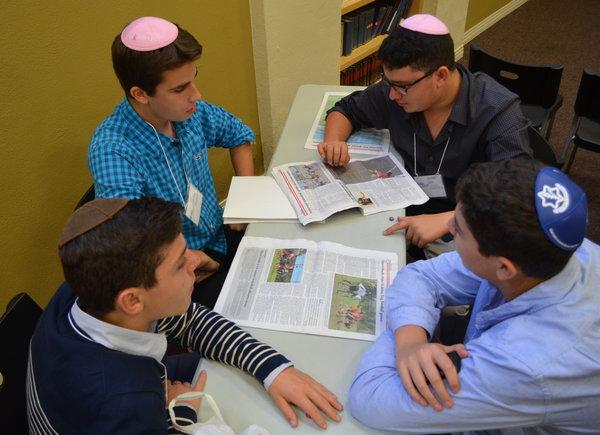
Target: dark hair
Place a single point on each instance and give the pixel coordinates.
(145, 68)
(418, 50)
(122, 252)
(497, 202)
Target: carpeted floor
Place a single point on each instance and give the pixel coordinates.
(556, 32)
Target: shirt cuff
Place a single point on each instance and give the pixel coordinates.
(269, 379)
(423, 317)
(243, 137)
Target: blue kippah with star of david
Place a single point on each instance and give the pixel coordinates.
(561, 207)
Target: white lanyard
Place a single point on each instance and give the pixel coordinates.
(169, 164)
(415, 154)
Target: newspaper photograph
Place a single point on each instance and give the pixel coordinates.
(369, 141)
(303, 286)
(376, 184)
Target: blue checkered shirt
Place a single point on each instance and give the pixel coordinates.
(126, 160)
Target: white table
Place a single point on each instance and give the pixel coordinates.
(332, 361)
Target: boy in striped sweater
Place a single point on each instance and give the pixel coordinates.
(97, 358)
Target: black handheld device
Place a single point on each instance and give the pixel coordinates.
(455, 358)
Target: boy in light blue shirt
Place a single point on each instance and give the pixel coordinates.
(531, 353)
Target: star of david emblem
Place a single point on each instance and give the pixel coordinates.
(556, 197)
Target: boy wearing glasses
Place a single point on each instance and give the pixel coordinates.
(157, 139)
(441, 119)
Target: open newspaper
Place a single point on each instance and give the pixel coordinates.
(369, 141)
(303, 286)
(316, 190)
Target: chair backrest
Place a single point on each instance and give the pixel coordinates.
(534, 84)
(89, 195)
(587, 103)
(542, 150)
(16, 328)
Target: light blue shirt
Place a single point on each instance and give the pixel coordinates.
(534, 363)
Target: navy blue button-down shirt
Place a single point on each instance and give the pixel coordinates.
(486, 123)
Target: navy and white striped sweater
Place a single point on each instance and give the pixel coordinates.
(77, 385)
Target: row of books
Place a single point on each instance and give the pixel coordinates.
(362, 73)
(370, 21)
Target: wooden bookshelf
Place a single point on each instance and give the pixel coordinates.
(370, 47)
(360, 52)
(351, 5)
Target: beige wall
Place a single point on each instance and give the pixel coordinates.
(57, 85)
(452, 13)
(479, 10)
(295, 43)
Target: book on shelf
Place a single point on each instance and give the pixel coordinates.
(379, 15)
(346, 37)
(363, 73)
(374, 19)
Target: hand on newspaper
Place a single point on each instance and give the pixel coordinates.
(292, 386)
(206, 267)
(334, 153)
(422, 229)
(417, 365)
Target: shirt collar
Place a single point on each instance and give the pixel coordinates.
(117, 338)
(132, 116)
(547, 293)
(460, 108)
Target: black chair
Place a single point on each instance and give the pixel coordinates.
(585, 131)
(89, 195)
(536, 85)
(16, 328)
(542, 150)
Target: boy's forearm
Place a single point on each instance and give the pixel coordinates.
(337, 127)
(241, 158)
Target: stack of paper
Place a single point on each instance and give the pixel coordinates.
(257, 199)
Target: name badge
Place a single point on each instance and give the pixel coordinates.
(193, 206)
(432, 185)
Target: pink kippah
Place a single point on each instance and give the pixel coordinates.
(425, 23)
(149, 33)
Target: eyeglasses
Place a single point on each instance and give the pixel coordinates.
(403, 89)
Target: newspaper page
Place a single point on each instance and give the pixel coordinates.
(376, 184)
(313, 191)
(379, 184)
(303, 286)
(369, 141)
